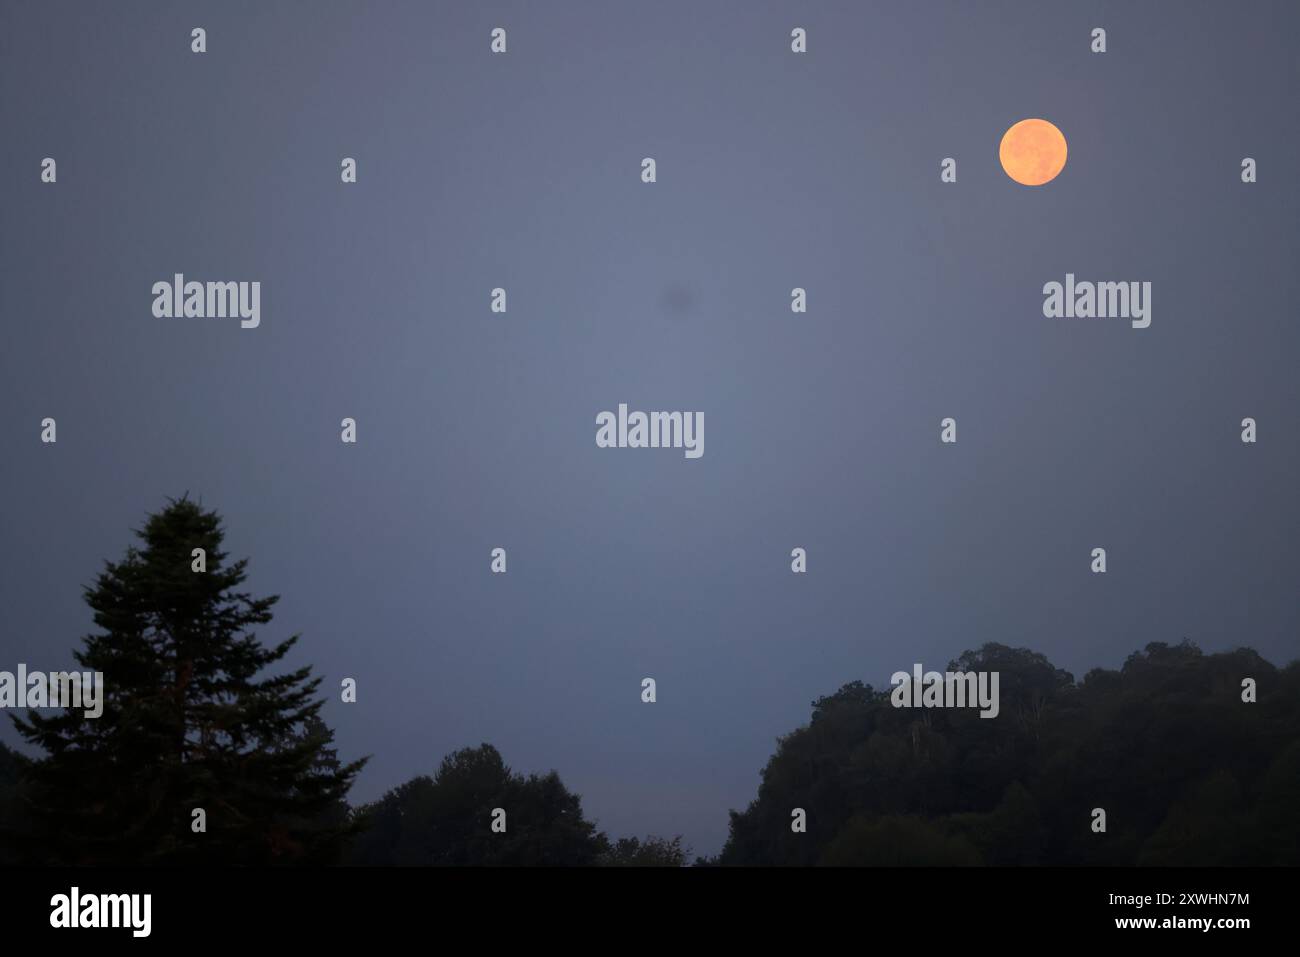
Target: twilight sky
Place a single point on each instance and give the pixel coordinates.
(477, 430)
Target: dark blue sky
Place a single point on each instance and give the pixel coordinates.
(822, 430)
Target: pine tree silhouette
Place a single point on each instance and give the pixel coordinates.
(190, 721)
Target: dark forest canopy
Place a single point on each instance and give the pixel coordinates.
(1186, 771)
(445, 820)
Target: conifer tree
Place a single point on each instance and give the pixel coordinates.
(195, 715)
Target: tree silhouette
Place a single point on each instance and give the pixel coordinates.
(446, 819)
(13, 822)
(192, 719)
(651, 852)
(1188, 773)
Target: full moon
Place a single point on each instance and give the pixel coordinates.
(1032, 152)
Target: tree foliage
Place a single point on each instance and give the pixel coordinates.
(196, 715)
(445, 819)
(1186, 771)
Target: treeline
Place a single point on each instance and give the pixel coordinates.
(1185, 771)
(445, 819)
(202, 755)
(437, 820)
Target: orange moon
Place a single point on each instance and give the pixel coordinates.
(1032, 152)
